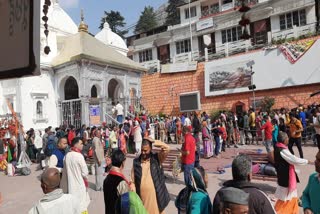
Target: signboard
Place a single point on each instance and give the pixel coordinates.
(95, 119)
(190, 101)
(16, 38)
(179, 67)
(233, 74)
(204, 24)
(229, 76)
(227, 6)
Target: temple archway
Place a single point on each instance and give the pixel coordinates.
(71, 89)
(94, 92)
(114, 90)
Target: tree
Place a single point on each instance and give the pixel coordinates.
(267, 103)
(115, 21)
(147, 20)
(173, 16)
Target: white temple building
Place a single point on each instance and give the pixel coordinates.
(80, 72)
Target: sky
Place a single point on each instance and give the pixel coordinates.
(94, 10)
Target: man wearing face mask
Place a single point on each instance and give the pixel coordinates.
(148, 177)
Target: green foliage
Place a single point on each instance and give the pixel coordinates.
(147, 20)
(161, 114)
(173, 16)
(215, 114)
(267, 103)
(115, 21)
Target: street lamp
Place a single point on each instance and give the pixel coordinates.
(190, 28)
(252, 86)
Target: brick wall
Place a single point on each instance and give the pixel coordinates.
(157, 96)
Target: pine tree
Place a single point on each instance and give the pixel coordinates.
(147, 20)
(115, 21)
(173, 12)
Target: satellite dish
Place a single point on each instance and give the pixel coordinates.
(207, 39)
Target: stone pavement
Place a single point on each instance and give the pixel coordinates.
(21, 193)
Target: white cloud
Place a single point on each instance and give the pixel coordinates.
(69, 3)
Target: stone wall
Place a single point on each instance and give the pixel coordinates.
(160, 93)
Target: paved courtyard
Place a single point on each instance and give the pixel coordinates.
(20, 193)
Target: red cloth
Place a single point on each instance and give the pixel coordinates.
(189, 145)
(224, 133)
(267, 130)
(71, 136)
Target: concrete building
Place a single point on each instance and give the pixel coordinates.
(80, 78)
(216, 33)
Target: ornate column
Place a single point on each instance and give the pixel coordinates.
(103, 109)
(59, 112)
(85, 111)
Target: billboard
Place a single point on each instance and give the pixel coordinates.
(190, 101)
(95, 119)
(271, 69)
(19, 38)
(236, 75)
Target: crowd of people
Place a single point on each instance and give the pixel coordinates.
(65, 153)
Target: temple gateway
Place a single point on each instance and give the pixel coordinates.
(81, 77)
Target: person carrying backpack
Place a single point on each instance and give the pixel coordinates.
(51, 145)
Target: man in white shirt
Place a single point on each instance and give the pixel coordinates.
(75, 175)
(54, 201)
(187, 122)
(98, 156)
(119, 110)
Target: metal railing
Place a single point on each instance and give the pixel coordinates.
(110, 120)
(294, 32)
(131, 115)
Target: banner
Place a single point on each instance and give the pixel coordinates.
(95, 115)
(294, 51)
(231, 76)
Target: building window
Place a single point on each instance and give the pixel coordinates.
(145, 55)
(231, 35)
(226, 1)
(183, 46)
(39, 110)
(297, 18)
(193, 11)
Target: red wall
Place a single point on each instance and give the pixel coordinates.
(156, 94)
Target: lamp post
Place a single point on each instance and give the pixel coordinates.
(190, 28)
(252, 86)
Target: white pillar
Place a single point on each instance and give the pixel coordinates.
(206, 54)
(227, 49)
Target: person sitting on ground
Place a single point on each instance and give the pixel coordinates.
(234, 201)
(310, 197)
(194, 198)
(259, 202)
(54, 200)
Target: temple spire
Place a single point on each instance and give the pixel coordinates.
(83, 27)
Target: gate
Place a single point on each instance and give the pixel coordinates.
(71, 113)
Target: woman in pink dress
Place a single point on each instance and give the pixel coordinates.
(207, 141)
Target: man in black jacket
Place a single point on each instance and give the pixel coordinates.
(259, 202)
(148, 177)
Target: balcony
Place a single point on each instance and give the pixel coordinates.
(294, 32)
(237, 3)
(151, 64)
(213, 9)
